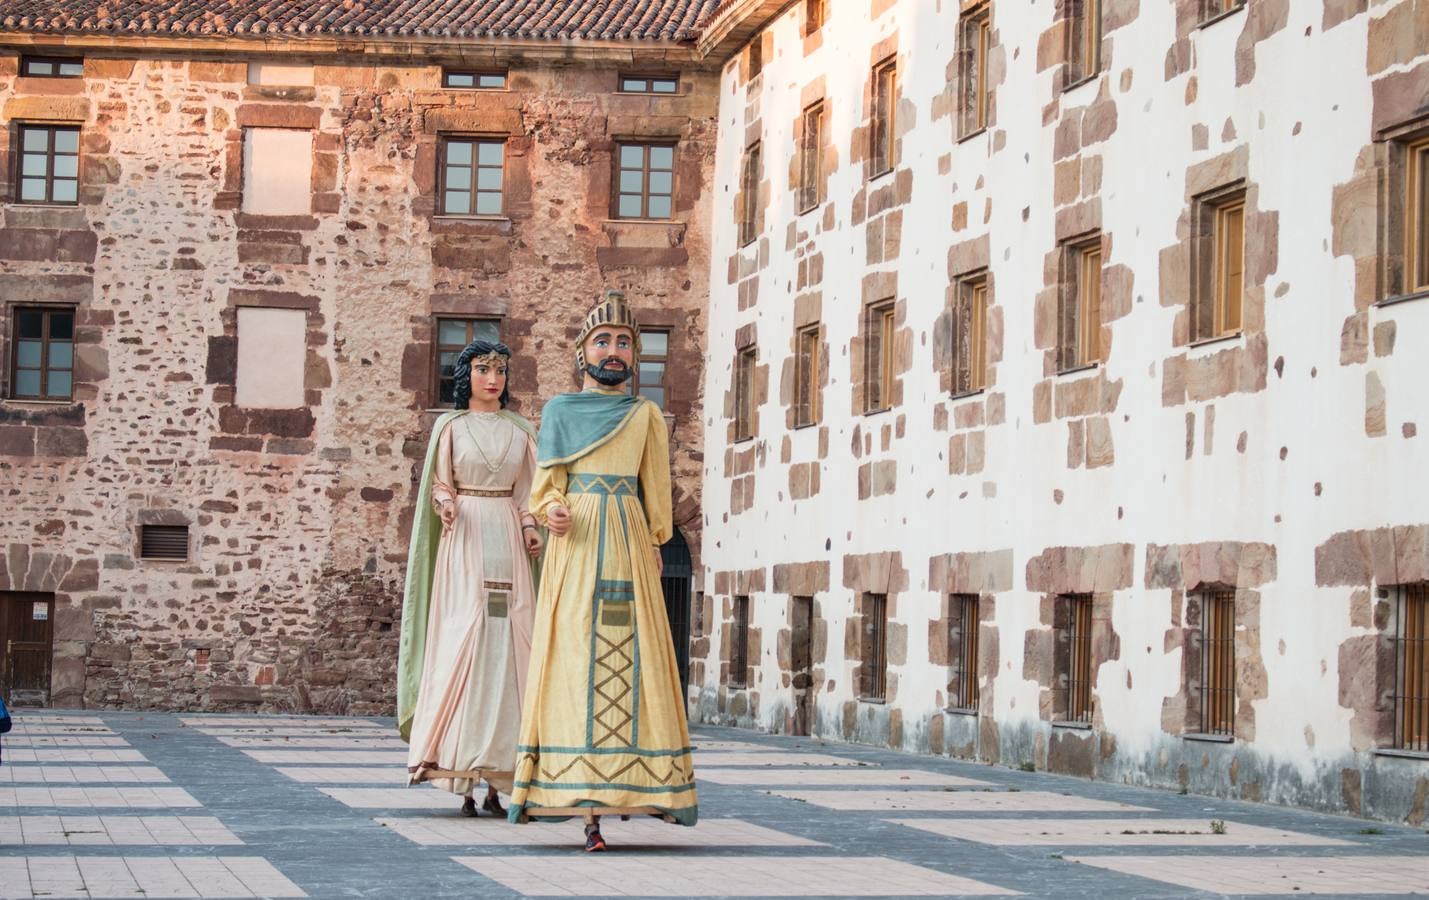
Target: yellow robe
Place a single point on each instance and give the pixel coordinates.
(603, 723)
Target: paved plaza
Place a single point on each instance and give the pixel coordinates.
(169, 805)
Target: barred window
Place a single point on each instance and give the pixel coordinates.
(1074, 634)
(1217, 662)
(1411, 668)
(739, 644)
(963, 651)
(873, 671)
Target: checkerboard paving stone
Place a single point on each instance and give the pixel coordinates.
(72, 755)
(615, 875)
(955, 801)
(82, 775)
(722, 746)
(635, 833)
(1297, 875)
(115, 830)
(340, 742)
(295, 732)
(121, 797)
(417, 797)
(336, 757)
(774, 758)
(1064, 832)
(345, 774)
(833, 777)
(27, 718)
(280, 722)
(64, 740)
(21, 728)
(146, 876)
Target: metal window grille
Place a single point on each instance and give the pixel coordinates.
(873, 681)
(163, 542)
(1218, 662)
(1079, 657)
(963, 651)
(739, 649)
(1411, 671)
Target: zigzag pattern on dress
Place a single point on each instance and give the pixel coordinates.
(677, 775)
(594, 483)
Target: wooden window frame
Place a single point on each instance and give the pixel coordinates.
(172, 531)
(964, 692)
(884, 118)
(1074, 626)
(749, 193)
(648, 80)
(739, 643)
(816, 13)
(46, 312)
(57, 61)
(476, 76)
(1084, 40)
(969, 338)
(808, 348)
(975, 40)
(50, 131)
(881, 326)
(645, 171)
(1216, 673)
(1410, 696)
(1218, 295)
(744, 363)
(1416, 216)
(811, 159)
(873, 649)
(438, 348)
(1079, 319)
(638, 383)
(755, 56)
(476, 141)
(1215, 10)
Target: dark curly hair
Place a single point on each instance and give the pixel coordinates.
(461, 373)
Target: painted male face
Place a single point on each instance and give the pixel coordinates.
(609, 354)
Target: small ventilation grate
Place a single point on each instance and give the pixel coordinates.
(164, 542)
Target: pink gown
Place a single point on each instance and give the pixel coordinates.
(468, 710)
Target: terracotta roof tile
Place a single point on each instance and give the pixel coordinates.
(634, 20)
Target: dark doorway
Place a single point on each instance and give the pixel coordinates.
(676, 579)
(26, 647)
(801, 652)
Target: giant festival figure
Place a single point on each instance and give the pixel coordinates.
(603, 728)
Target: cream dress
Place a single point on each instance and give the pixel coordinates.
(479, 623)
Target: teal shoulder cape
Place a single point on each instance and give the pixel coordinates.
(421, 565)
(572, 425)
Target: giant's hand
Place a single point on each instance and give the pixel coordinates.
(558, 520)
(447, 512)
(533, 542)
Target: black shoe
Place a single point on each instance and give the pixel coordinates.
(492, 805)
(468, 808)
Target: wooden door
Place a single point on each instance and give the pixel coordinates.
(26, 647)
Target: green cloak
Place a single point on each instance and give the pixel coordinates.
(573, 425)
(421, 566)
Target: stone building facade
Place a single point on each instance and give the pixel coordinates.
(1075, 352)
(232, 252)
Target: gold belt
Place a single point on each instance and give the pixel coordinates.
(482, 492)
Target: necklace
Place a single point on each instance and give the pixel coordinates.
(488, 421)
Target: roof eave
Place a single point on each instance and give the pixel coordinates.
(734, 23)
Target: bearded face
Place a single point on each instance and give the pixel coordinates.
(609, 354)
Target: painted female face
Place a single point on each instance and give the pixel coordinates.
(488, 379)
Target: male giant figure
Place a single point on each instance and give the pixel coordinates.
(603, 727)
